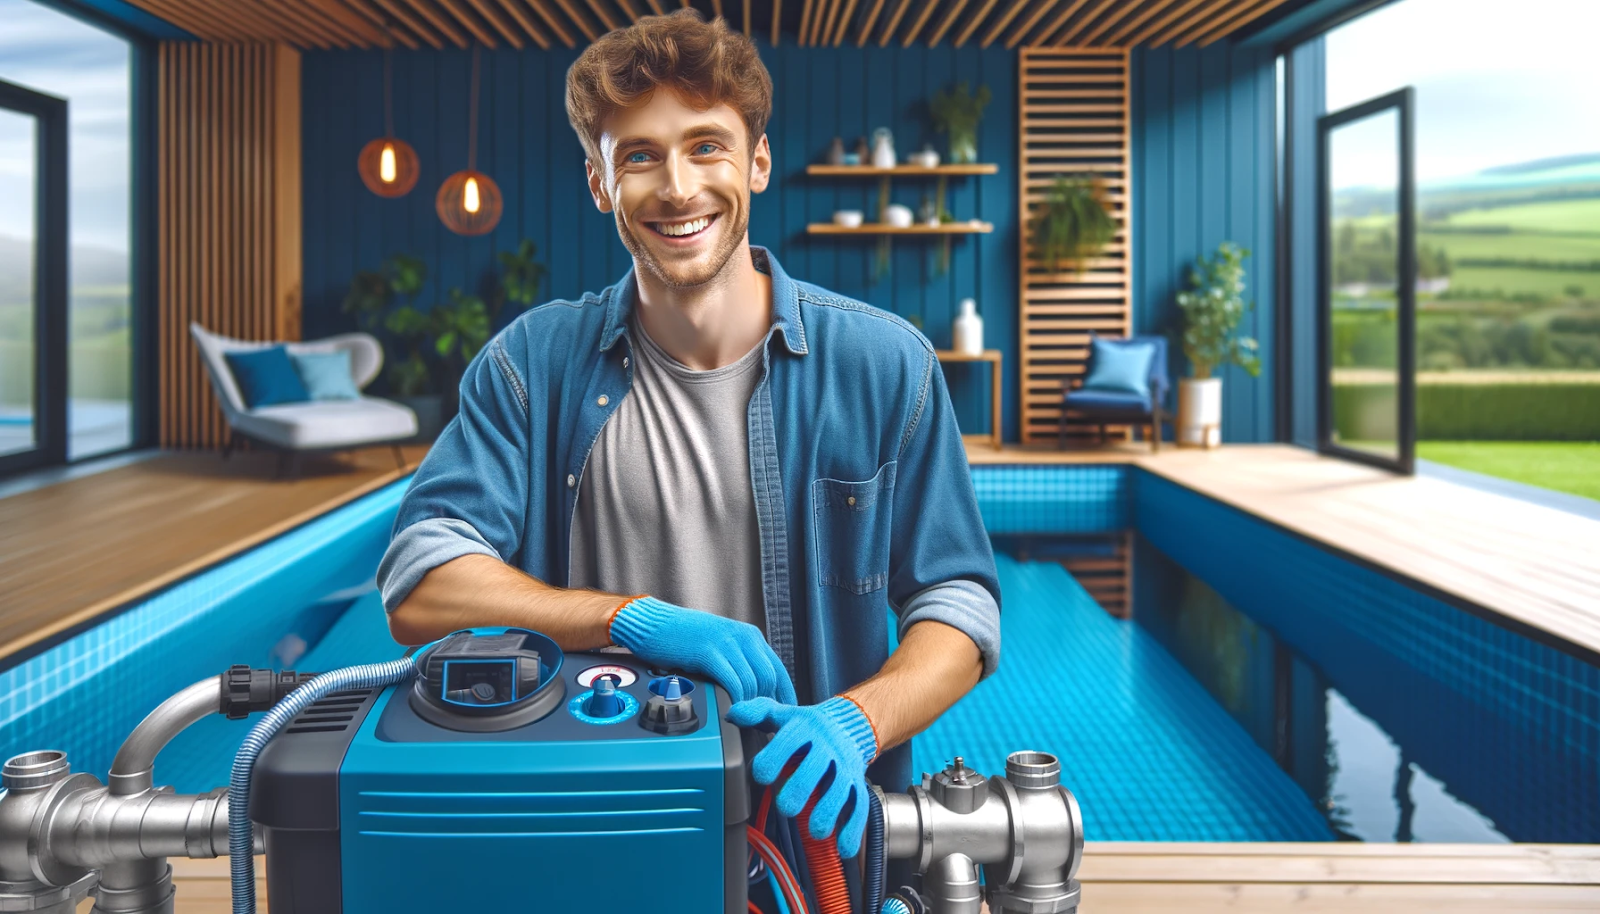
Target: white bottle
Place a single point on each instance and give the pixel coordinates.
(968, 330)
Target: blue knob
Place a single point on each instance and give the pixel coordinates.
(674, 689)
(605, 702)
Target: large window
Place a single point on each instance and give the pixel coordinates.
(90, 69)
(1508, 232)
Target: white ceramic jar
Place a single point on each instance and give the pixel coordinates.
(967, 331)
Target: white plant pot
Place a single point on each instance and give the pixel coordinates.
(1200, 412)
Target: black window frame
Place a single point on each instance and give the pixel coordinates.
(144, 226)
(1403, 101)
(50, 277)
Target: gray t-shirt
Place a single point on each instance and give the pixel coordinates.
(665, 506)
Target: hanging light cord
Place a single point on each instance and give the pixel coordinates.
(472, 129)
(388, 97)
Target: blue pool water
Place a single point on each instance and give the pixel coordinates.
(1262, 690)
(1145, 749)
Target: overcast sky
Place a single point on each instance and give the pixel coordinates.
(53, 53)
(1497, 81)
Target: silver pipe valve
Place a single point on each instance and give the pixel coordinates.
(1023, 829)
(64, 836)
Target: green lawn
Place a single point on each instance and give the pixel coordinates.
(1565, 466)
(1524, 245)
(1550, 283)
(1552, 216)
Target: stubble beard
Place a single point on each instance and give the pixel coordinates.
(695, 273)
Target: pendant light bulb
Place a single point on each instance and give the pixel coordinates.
(469, 202)
(388, 165)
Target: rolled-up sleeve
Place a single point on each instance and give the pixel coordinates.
(470, 494)
(941, 563)
(960, 604)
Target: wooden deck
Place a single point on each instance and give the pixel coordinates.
(1160, 878)
(73, 551)
(1536, 566)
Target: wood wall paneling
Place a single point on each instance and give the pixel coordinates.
(345, 24)
(1074, 121)
(230, 215)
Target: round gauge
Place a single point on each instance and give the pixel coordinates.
(624, 677)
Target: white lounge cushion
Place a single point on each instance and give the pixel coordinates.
(328, 423)
(366, 358)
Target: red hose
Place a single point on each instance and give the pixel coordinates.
(827, 871)
(783, 879)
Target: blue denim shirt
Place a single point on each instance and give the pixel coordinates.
(864, 500)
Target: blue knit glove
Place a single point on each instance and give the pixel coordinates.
(834, 735)
(733, 653)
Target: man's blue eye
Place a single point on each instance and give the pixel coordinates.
(711, 147)
(632, 158)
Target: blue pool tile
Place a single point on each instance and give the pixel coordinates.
(1148, 753)
(86, 694)
(1043, 499)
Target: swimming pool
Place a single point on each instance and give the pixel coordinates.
(1261, 689)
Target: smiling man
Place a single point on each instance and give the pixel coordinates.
(711, 464)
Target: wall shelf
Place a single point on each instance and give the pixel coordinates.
(870, 171)
(871, 228)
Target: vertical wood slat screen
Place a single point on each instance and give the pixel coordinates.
(230, 215)
(1074, 121)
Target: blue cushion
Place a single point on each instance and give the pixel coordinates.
(266, 376)
(1108, 401)
(1120, 366)
(326, 374)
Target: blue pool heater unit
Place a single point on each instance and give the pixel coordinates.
(495, 777)
(490, 773)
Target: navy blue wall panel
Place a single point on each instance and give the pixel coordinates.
(1204, 153)
(527, 146)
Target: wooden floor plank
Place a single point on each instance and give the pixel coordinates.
(1138, 877)
(1301, 868)
(73, 551)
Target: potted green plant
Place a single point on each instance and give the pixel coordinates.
(1073, 223)
(1209, 314)
(957, 112)
(383, 302)
(427, 350)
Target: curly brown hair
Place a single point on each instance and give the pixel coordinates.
(705, 62)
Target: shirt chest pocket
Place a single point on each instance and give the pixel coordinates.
(851, 523)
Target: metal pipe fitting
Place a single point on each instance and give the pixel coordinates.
(63, 834)
(131, 770)
(1023, 828)
(953, 886)
(32, 781)
(96, 828)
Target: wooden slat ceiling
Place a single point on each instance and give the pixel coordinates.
(328, 24)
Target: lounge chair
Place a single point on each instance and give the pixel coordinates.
(1116, 407)
(294, 429)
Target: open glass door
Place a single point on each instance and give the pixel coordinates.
(1367, 283)
(33, 278)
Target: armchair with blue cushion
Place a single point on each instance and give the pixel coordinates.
(1126, 384)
